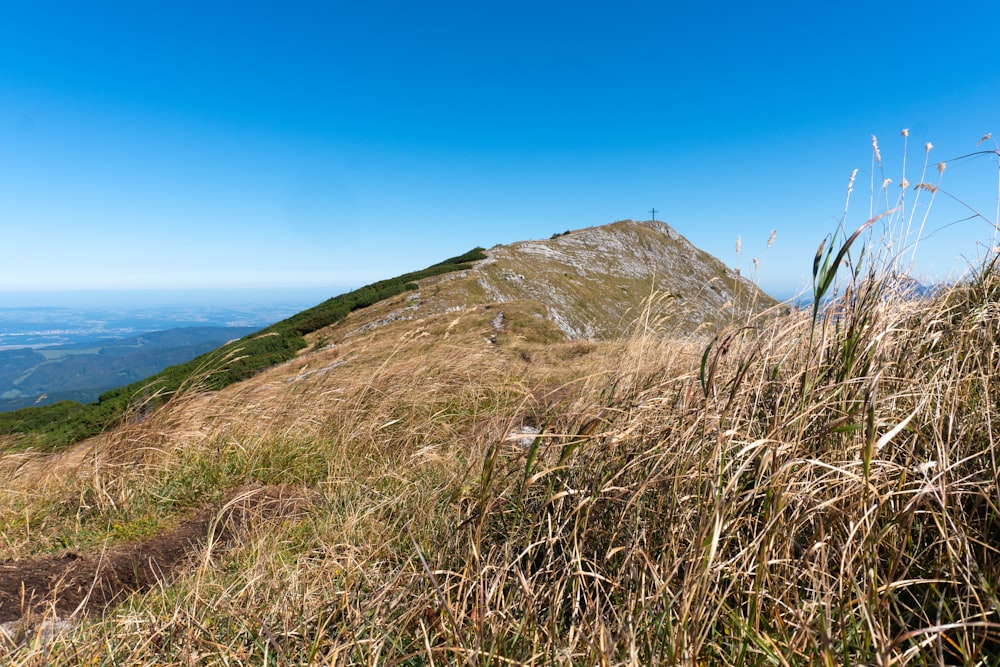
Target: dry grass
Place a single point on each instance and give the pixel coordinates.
(812, 488)
(780, 502)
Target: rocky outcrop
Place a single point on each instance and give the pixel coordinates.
(595, 282)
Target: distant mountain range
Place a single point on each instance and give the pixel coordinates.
(903, 285)
(30, 377)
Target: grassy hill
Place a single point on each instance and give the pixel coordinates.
(589, 283)
(594, 282)
(65, 422)
(428, 481)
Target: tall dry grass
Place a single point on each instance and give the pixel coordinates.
(819, 487)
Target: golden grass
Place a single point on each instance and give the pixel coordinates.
(768, 503)
(807, 488)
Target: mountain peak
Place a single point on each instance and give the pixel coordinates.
(594, 282)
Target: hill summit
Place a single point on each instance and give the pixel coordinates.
(591, 283)
(594, 281)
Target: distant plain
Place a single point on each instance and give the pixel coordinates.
(76, 345)
(39, 319)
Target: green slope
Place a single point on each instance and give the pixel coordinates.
(60, 424)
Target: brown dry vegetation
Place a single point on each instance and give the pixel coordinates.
(795, 496)
(818, 487)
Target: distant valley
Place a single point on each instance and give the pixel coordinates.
(80, 373)
(76, 346)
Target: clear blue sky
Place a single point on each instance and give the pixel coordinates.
(181, 144)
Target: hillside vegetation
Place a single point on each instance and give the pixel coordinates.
(815, 488)
(65, 422)
(448, 476)
(589, 283)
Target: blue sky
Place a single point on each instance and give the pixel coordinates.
(185, 145)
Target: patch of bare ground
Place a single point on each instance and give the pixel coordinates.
(88, 584)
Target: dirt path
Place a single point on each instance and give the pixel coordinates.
(90, 583)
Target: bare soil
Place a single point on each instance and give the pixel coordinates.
(89, 583)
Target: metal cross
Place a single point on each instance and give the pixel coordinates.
(654, 214)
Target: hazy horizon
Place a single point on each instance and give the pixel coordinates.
(166, 296)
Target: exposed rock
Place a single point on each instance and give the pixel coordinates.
(595, 282)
